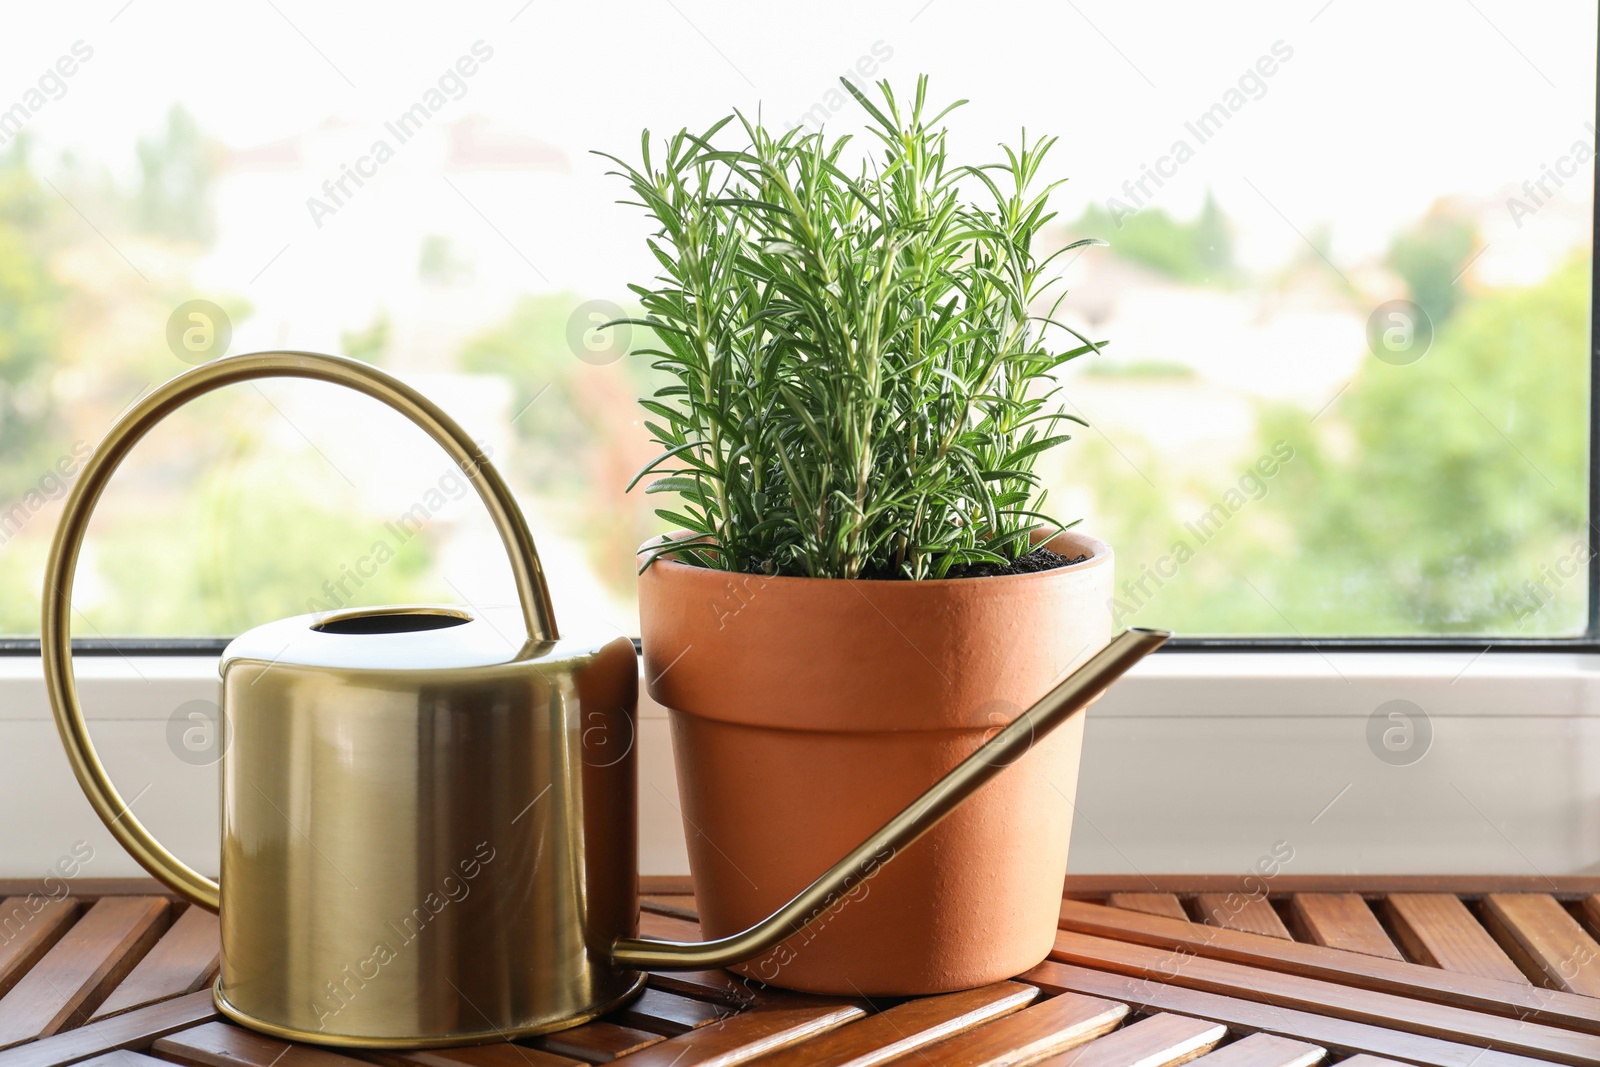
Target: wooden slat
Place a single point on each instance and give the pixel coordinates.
(1166, 904)
(125, 1058)
(1099, 886)
(1438, 930)
(597, 1042)
(668, 927)
(1340, 920)
(227, 1045)
(184, 960)
(678, 907)
(1545, 941)
(1335, 987)
(1264, 1050)
(1055, 1025)
(1159, 1041)
(1239, 911)
(745, 1036)
(667, 1014)
(72, 978)
(1514, 999)
(737, 992)
(723, 987)
(1590, 907)
(1253, 1016)
(502, 1054)
(906, 1027)
(1326, 998)
(131, 1029)
(30, 925)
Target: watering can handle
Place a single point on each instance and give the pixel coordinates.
(56, 628)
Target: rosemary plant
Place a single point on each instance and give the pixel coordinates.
(859, 384)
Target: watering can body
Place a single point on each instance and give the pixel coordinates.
(424, 840)
(428, 827)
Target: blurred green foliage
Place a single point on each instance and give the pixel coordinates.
(248, 546)
(1443, 497)
(1430, 256)
(177, 170)
(370, 345)
(577, 420)
(1197, 253)
(224, 534)
(1446, 496)
(1464, 481)
(31, 306)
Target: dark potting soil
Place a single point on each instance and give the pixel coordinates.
(1040, 559)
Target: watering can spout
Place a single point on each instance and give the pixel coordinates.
(1067, 699)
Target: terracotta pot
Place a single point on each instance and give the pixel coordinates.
(805, 712)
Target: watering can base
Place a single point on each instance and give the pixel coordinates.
(466, 1037)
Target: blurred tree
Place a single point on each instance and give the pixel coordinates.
(1431, 495)
(438, 264)
(530, 350)
(1430, 257)
(1198, 252)
(247, 544)
(369, 345)
(579, 421)
(176, 171)
(30, 318)
(1446, 496)
(1213, 238)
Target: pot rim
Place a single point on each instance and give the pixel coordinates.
(1099, 551)
(1010, 635)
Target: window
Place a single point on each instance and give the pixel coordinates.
(1348, 293)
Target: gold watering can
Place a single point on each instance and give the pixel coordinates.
(428, 839)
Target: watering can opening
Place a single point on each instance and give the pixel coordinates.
(391, 621)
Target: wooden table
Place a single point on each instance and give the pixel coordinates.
(1146, 972)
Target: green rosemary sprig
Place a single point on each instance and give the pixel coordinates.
(861, 385)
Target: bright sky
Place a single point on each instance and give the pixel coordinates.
(1381, 108)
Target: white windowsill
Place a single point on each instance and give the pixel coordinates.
(1196, 762)
(1171, 683)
